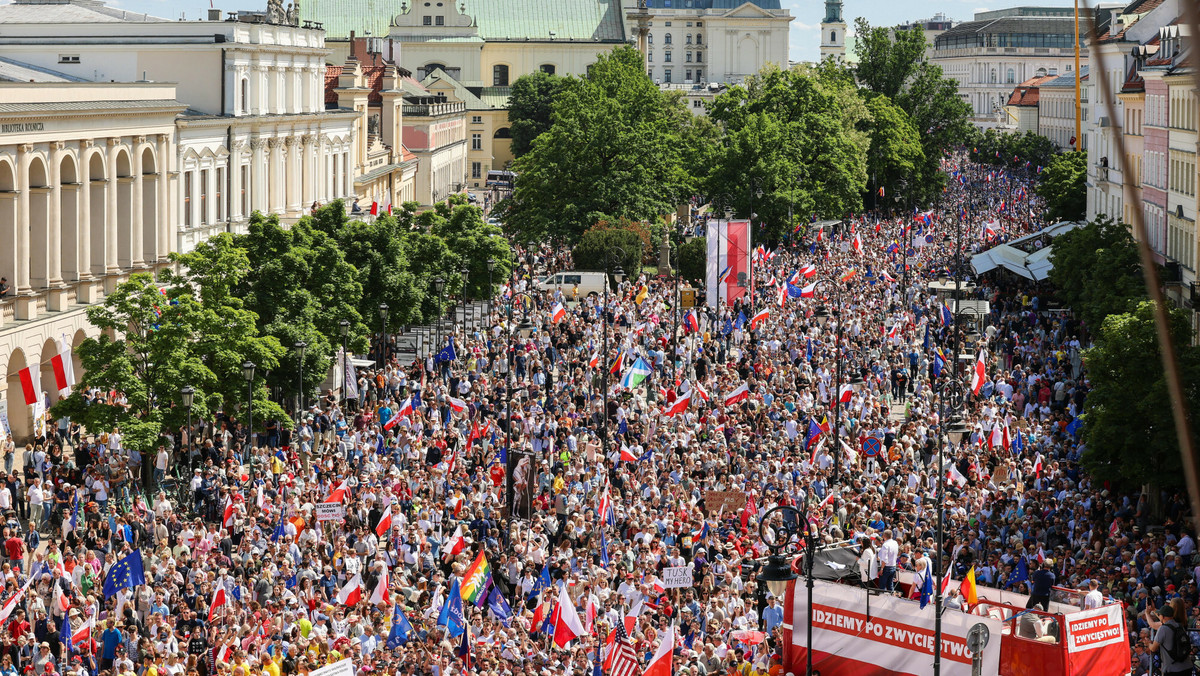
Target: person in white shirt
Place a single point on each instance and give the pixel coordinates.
(868, 564)
(889, 554)
(1093, 599)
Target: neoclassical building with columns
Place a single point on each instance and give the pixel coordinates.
(85, 195)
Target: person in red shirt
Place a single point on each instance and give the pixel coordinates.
(497, 474)
(19, 626)
(14, 546)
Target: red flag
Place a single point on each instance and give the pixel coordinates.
(351, 594)
(385, 524)
(679, 406)
(30, 384)
(660, 664)
(218, 600)
(374, 208)
(339, 492)
(60, 372)
(742, 393)
(567, 625)
(980, 373)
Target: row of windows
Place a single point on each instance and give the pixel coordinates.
(970, 40)
(1156, 110)
(1181, 241)
(687, 75)
(667, 38)
(667, 57)
(202, 198)
(699, 24)
(1183, 172)
(1183, 109)
(1155, 169)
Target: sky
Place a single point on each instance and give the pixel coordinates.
(805, 29)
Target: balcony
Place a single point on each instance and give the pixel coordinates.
(434, 109)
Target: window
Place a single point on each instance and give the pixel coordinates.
(242, 183)
(476, 141)
(650, 38)
(667, 57)
(687, 76)
(699, 24)
(689, 59)
(476, 119)
(833, 37)
(572, 279)
(699, 38)
(697, 103)
(667, 39)
(666, 3)
(426, 21)
(650, 56)
(220, 192)
(688, 38)
(699, 57)
(246, 95)
(667, 75)
(68, 58)
(500, 75)
(187, 199)
(440, 21)
(476, 170)
(993, 76)
(699, 75)
(668, 26)
(547, 68)
(203, 196)
(1010, 77)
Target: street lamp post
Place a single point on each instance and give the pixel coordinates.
(300, 346)
(611, 254)
(822, 315)
(344, 327)
(779, 528)
(954, 434)
(248, 374)
(439, 285)
(188, 394)
(383, 317)
(491, 266)
(466, 274)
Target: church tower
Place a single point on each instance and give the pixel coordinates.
(833, 32)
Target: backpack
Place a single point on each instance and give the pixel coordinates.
(1181, 643)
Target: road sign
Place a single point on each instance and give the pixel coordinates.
(872, 447)
(977, 638)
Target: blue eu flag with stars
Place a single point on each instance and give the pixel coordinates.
(126, 573)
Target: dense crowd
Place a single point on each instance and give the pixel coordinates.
(243, 577)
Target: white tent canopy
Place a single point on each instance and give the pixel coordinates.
(1027, 256)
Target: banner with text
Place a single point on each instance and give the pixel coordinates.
(1096, 641)
(890, 636)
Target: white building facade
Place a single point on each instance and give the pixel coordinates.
(256, 134)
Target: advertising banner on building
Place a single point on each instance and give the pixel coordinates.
(728, 272)
(859, 635)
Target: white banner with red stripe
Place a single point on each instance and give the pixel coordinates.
(857, 635)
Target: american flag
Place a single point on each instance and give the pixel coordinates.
(622, 660)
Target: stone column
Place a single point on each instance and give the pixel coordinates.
(163, 185)
(54, 233)
(137, 255)
(293, 161)
(21, 282)
(110, 232)
(257, 180)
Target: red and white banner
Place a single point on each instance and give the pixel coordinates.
(887, 636)
(1096, 641)
(729, 267)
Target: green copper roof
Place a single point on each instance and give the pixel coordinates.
(537, 19)
(342, 16)
(578, 20)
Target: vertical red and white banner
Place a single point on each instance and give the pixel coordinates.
(1096, 641)
(728, 274)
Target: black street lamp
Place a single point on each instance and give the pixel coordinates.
(466, 275)
(612, 265)
(491, 266)
(383, 317)
(188, 394)
(439, 284)
(248, 374)
(344, 328)
(779, 528)
(300, 346)
(954, 434)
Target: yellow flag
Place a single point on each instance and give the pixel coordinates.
(641, 295)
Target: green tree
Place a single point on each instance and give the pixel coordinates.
(1096, 270)
(225, 334)
(896, 153)
(593, 249)
(893, 63)
(531, 107)
(474, 243)
(1127, 425)
(614, 147)
(693, 257)
(795, 137)
(1064, 187)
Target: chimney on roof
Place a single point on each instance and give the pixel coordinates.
(214, 15)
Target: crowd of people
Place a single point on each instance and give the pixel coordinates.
(386, 529)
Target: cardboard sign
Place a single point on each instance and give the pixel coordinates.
(732, 501)
(677, 577)
(340, 668)
(331, 511)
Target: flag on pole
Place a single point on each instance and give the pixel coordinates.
(660, 664)
(567, 625)
(401, 629)
(475, 578)
(218, 600)
(758, 318)
(558, 314)
(451, 615)
(742, 393)
(969, 592)
(637, 372)
(679, 406)
(351, 593)
(980, 373)
(31, 384)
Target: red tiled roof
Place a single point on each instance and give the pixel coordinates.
(332, 73)
(1027, 93)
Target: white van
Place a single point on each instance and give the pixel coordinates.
(588, 282)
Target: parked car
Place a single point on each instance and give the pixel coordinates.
(589, 282)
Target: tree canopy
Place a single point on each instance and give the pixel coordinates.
(531, 107)
(1096, 270)
(614, 147)
(1128, 429)
(1064, 187)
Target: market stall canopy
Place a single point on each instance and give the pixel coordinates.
(1027, 256)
